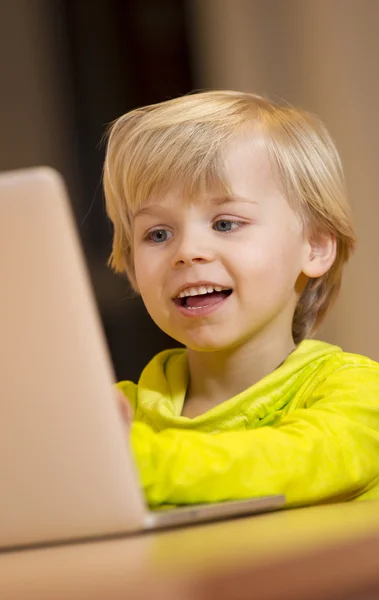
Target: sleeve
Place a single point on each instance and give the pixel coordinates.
(327, 450)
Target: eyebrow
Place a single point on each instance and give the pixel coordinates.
(217, 200)
(148, 210)
(232, 199)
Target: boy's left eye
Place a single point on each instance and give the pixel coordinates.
(225, 225)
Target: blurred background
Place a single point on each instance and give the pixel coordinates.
(69, 67)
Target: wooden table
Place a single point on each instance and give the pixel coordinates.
(324, 553)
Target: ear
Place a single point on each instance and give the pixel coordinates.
(320, 254)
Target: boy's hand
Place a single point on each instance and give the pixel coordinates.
(125, 407)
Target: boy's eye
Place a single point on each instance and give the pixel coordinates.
(159, 235)
(225, 225)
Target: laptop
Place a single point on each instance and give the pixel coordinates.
(67, 471)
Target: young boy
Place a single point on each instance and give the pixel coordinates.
(231, 221)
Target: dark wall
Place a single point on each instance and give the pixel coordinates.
(119, 54)
(67, 69)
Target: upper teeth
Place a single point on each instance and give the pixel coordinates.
(202, 289)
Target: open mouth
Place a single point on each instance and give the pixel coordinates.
(201, 299)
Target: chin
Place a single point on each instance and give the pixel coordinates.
(207, 345)
(206, 339)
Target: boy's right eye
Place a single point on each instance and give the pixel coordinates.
(158, 235)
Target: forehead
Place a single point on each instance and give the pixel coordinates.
(247, 165)
(169, 202)
(246, 174)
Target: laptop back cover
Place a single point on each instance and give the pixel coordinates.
(66, 471)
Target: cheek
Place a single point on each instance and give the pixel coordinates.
(145, 267)
(149, 279)
(276, 259)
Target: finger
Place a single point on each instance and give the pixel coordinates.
(125, 406)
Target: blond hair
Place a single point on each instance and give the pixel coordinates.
(182, 141)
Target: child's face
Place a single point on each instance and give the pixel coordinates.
(251, 247)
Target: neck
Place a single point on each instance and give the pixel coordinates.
(218, 376)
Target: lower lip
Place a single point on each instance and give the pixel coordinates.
(202, 311)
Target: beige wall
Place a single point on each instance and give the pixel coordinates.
(35, 121)
(323, 56)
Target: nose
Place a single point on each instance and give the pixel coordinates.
(192, 249)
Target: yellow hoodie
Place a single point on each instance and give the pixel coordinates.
(309, 430)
